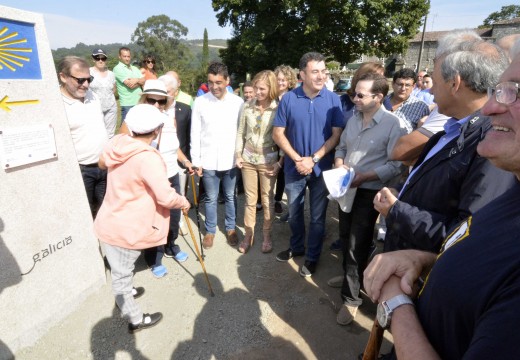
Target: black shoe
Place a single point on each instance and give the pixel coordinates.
(148, 321)
(288, 254)
(278, 209)
(138, 292)
(284, 218)
(336, 245)
(308, 268)
(168, 252)
(259, 207)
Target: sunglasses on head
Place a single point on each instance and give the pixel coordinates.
(100, 58)
(151, 101)
(82, 80)
(150, 61)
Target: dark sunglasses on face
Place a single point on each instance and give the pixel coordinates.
(150, 61)
(151, 101)
(361, 96)
(82, 80)
(100, 58)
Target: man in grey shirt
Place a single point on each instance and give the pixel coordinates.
(365, 145)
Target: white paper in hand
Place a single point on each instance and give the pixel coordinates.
(338, 183)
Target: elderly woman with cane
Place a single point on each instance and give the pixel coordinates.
(135, 212)
(155, 93)
(257, 156)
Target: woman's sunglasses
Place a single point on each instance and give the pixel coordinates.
(100, 58)
(151, 101)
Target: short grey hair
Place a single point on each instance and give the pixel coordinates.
(452, 41)
(478, 63)
(169, 81)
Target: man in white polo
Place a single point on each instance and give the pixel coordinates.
(87, 126)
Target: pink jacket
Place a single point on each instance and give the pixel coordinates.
(135, 212)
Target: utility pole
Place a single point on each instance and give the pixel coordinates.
(422, 44)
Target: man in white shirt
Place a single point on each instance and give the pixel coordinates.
(214, 123)
(87, 127)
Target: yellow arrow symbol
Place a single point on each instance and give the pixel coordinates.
(4, 104)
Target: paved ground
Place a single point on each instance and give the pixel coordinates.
(262, 309)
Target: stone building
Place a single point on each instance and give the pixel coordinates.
(498, 30)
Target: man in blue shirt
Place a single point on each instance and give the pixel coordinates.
(307, 127)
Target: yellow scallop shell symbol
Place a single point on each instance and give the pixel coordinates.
(8, 54)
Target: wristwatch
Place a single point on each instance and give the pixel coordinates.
(386, 308)
(315, 158)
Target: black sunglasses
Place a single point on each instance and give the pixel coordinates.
(151, 101)
(102, 58)
(150, 61)
(82, 80)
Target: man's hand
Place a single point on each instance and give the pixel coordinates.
(304, 167)
(239, 162)
(384, 200)
(405, 264)
(199, 172)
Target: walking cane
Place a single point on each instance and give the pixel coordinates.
(197, 211)
(186, 218)
(374, 342)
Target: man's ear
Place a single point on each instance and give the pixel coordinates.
(456, 83)
(63, 78)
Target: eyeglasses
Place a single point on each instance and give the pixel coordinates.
(100, 58)
(505, 93)
(361, 96)
(405, 85)
(151, 101)
(82, 80)
(150, 61)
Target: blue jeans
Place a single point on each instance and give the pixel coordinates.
(124, 111)
(295, 187)
(211, 180)
(95, 181)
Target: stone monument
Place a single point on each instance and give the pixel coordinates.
(49, 257)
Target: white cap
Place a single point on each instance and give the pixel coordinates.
(155, 87)
(143, 119)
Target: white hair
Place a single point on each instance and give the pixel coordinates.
(515, 49)
(170, 82)
(452, 41)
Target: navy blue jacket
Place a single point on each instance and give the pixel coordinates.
(445, 190)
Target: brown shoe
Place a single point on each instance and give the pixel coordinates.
(245, 244)
(232, 237)
(207, 242)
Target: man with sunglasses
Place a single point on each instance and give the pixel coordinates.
(365, 145)
(449, 181)
(87, 127)
(128, 81)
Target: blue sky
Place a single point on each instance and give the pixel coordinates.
(105, 21)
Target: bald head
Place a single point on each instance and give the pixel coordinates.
(174, 75)
(507, 42)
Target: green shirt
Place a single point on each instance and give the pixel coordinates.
(184, 98)
(127, 96)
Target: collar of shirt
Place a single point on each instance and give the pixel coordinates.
(300, 93)
(452, 126)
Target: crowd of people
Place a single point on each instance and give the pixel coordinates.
(436, 174)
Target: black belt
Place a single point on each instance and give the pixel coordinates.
(89, 165)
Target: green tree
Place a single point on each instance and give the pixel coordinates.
(205, 50)
(506, 13)
(272, 32)
(161, 36)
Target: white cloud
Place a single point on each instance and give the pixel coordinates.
(65, 31)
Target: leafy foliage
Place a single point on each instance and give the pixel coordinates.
(506, 13)
(271, 32)
(161, 36)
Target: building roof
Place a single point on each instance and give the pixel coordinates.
(436, 35)
(507, 22)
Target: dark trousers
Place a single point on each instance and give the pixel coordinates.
(153, 256)
(280, 186)
(357, 230)
(95, 181)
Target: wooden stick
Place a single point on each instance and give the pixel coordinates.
(374, 342)
(186, 218)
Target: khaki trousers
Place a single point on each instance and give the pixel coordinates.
(250, 175)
